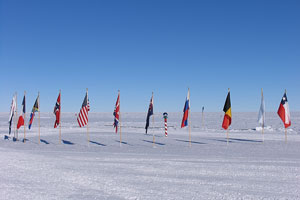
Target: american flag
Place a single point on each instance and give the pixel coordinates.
(83, 114)
(117, 113)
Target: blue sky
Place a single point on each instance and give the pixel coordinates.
(144, 46)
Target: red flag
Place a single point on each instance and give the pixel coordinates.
(284, 111)
(57, 111)
(21, 118)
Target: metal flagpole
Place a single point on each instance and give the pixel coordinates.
(87, 125)
(189, 121)
(120, 118)
(16, 118)
(39, 117)
(153, 144)
(24, 118)
(60, 117)
(263, 116)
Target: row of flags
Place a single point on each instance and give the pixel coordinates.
(82, 118)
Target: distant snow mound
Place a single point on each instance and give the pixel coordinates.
(266, 128)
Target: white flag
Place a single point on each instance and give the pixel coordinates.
(261, 113)
(12, 111)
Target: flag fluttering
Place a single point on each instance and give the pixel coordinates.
(12, 112)
(35, 108)
(83, 118)
(117, 113)
(261, 113)
(57, 111)
(22, 116)
(150, 112)
(227, 109)
(284, 111)
(186, 111)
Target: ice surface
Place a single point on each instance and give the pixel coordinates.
(246, 168)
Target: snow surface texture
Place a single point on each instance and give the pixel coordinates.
(246, 168)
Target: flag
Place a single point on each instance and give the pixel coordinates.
(57, 111)
(22, 116)
(35, 108)
(202, 108)
(261, 113)
(150, 112)
(12, 112)
(117, 113)
(227, 110)
(186, 111)
(83, 118)
(284, 111)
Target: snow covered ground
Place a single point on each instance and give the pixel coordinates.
(246, 168)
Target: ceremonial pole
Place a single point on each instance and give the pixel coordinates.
(16, 118)
(153, 144)
(87, 125)
(189, 121)
(39, 118)
(263, 116)
(60, 117)
(120, 118)
(24, 119)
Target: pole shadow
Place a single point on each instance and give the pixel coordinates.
(246, 140)
(158, 143)
(44, 141)
(123, 142)
(193, 142)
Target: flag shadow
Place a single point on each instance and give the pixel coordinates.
(193, 142)
(44, 141)
(222, 140)
(245, 140)
(67, 142)
(123, 142)
(97, 143)
(158, 143)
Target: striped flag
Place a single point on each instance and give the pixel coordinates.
(262, 113)
(227, 110)
(117, 113)
(35, 108)
(57, 111)
(21, 118)
(186, 111)
(284, 111)
(83, 117)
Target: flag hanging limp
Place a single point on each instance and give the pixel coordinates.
(261, 113)
(12, 112)
(284, 111)
(150, 112)
(83, 117)
(186, 111)
(117, 113)
(35, 108)
(22, 116)
(227, 110)
(57, 111)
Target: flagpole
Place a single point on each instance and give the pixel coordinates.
(202, 118)
(153, 144)
(285, 133)
(263, 116)
(189, 114)
(120, 118)
(24, 118)
(16, 130)
(227, 132)
(59, 117)
(87, 125)
(39, 118)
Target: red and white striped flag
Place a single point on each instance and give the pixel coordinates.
(83, 116)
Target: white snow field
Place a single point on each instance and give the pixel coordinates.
(246, 168)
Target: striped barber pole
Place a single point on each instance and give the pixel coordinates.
(83, 114)
(166, 123)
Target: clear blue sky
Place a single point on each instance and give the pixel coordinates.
(144, 46)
